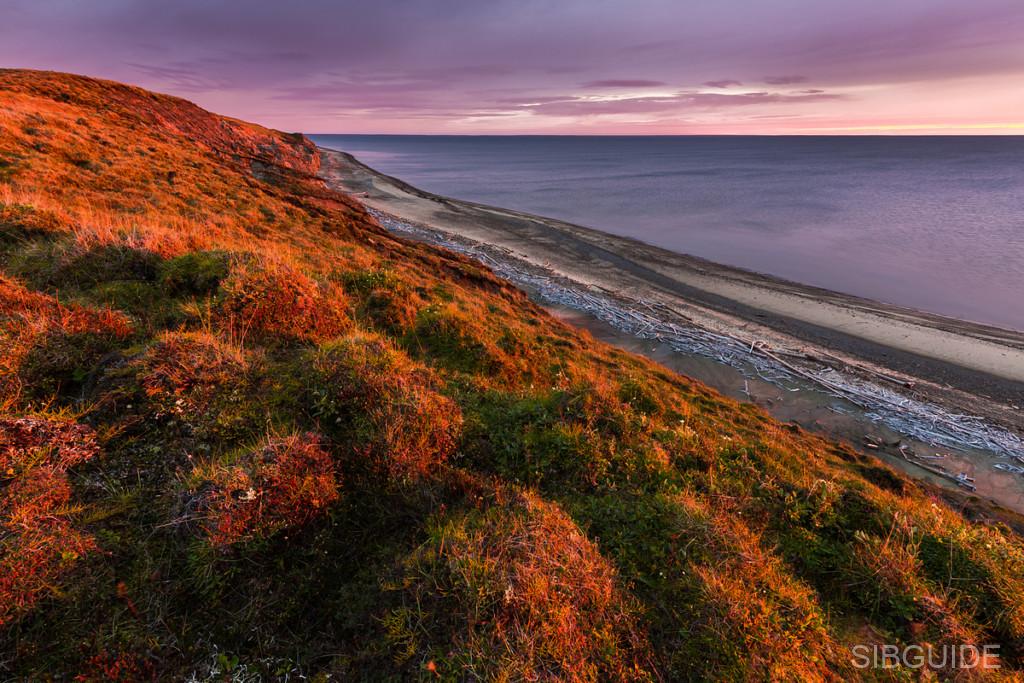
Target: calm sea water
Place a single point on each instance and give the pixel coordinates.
(934, 223)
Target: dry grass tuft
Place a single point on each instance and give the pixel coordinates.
(181, 370)
(38, 544)
(386, 404)
(539, 600)
(285, 483)
(277, 301)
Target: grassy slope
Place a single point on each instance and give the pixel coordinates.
(244, 429)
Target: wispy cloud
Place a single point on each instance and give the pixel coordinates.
(784, 80)
(724, 83)
(183, 76)
(624, 83)
(678, 102)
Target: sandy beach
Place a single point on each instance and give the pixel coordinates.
(963, 368)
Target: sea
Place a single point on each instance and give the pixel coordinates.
(931, 223)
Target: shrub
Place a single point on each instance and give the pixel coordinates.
(47, 344)
(280, 302)
(533, 598)
(454, 339)
(37, 542)
(386, 405)
(390, 311)
(285, 483)
(120, 667)
(182, 371)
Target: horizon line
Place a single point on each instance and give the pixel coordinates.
(900, 134)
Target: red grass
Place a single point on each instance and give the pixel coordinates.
(37, 544)
(541, 601)
(284, 484)
(116, 668)
(27, 318)
(183, 369)
(279, 301)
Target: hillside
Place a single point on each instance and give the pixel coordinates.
(246, 432)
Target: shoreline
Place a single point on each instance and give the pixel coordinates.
(901, 360)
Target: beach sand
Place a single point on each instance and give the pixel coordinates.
(962, 366)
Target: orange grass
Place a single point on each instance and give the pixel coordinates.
(546, 605)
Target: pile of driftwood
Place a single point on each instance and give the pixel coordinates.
(882, 404)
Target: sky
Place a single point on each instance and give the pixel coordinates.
(552, 67)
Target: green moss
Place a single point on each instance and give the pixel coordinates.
(64, 365)
(447, 339)
(195, 273)
(365, 281)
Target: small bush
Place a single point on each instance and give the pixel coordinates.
(121, 667)
(390, 311)
(183, 370)
(453, 339)
(533, 599)
(386, 405)
(38, 544)
(285, 483)
(280, 302)
(50, 347)
(61, 364)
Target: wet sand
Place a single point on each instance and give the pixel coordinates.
(962, 366)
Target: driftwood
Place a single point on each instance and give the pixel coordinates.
(918, 419)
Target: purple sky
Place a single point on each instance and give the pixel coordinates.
(566, 66)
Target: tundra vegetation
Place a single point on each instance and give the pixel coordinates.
(246, 432)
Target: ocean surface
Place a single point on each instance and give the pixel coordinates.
(933, 223)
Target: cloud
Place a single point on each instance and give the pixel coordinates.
(784, 80)
(681, 101)
(183, 76)
(725, 83)
(384, 65)
(532, 101)
(624, 83)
